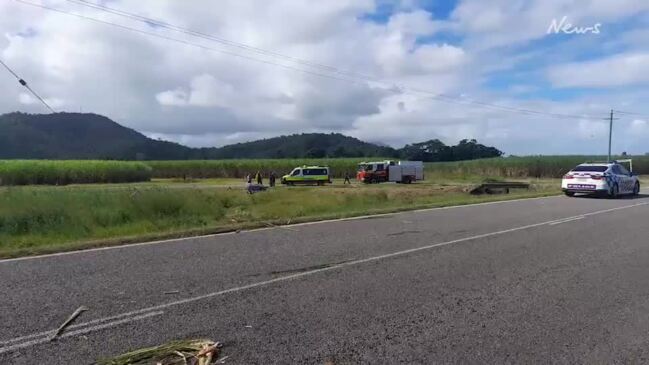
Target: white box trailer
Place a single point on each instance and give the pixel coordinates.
(406, 171)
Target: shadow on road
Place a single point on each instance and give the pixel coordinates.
(621, 197)
(632, 197)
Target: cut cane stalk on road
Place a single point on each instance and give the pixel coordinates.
(67, 322)
(201, 352)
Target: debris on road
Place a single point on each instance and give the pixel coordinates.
(402, 233)
(308, 268)
(498, 187)
(197, 352)
(172, 292)
(67, 322)
(269, 224)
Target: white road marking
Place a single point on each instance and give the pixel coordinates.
(48, 334)
(172, 240)
(45, 339)
(567, 220)
(141, 312)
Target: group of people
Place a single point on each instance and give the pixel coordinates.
(260, 180)
(272, 177)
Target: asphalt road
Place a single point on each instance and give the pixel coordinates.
(550, 280)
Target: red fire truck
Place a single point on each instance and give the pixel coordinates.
(396, 171)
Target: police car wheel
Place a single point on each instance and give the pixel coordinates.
(636, 188)
(569, 193)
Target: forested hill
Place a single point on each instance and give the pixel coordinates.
(79, 136)
(312, 145)
(92, 136)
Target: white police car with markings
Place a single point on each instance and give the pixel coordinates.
(610, 179)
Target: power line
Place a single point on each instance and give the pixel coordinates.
(339, 74)
(632, 113)
(24, 83)
(436, 96)
(163, 24)
(152, 34)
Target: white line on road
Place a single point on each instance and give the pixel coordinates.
(568, 220)
(48, 334)
(45, 339)
(159, 307)
(179, 239)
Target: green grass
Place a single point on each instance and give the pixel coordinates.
(50, 219)
(24, 172)
(519, 167)
(504, 167)
(35, 172)
(240, 168)
(194, 197)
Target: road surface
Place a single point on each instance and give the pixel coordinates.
(560, 280)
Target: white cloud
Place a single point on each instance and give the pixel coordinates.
(205, 91)
(177, 97)
(640, 126)
(203, 98)
(415, 23)
(498, 23)
(28, 99)
(592, 129)
(209, 91)
(618, 70)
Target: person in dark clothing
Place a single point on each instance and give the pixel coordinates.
(347, 178)
(259, 178)
(271, 179)
(249, 179)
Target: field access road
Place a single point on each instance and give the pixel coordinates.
(543, 280)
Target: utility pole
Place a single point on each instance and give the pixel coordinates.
(610, 136)
(610, 120)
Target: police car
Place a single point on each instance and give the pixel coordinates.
(609, 179)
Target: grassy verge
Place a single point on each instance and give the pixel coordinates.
(50, 219)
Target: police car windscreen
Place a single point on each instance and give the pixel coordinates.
(590, 168)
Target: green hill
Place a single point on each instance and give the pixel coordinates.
(308, 145)
(78, 136)
(91, 136)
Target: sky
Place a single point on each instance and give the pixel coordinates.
(384, 71)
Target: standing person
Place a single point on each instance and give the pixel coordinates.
(347, 179)
(248, 179)
(259, 178)
(271, 179)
